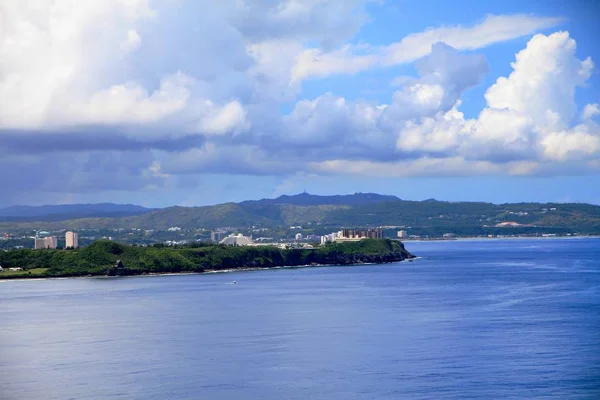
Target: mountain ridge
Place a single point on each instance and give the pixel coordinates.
(357, 210)
(307, 199)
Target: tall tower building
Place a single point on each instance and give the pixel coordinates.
(50, 242)
(72, 239)
(39, 243)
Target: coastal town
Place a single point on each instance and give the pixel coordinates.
(292, 237)
(298, 221)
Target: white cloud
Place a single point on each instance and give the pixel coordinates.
(543, 81)
(441, 133)
(132, 41)
(221, 120)
(272, 72)
(590, 111)
(500, 134)
(576, 144)
(183, 87)
(349, 60)
(425, 166)
(444, 75)
(325, 21)
(54, 51)
(493, 29)
(129, 103)
(529, 113)
(317, 63)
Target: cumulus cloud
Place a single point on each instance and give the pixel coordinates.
(444, 74)
(529, 114)
(542, 84)
(440, 134)
(151, 91)
(590, 111)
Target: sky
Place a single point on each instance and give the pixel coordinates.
(194, 102)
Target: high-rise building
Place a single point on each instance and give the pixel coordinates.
(50, 242)
(38, 243)
(402, 234)
(216, 236)
(72, 239)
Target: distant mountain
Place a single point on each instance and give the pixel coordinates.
(306, 199)
(320, 212)
(70, 211)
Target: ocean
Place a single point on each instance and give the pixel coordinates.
(472, 319)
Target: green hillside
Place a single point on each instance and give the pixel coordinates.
(464, 216)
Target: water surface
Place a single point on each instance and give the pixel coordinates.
(471, 319)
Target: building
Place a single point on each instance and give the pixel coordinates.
(509, 224)
(298, 236)
(402, 234)
(72, 239)
(237, 240)
(50, 242)
(375, 233)
(38, 243)
(352, 235)
(216, 236)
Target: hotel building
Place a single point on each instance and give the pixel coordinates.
(72, 239)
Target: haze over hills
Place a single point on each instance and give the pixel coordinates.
(360, 209)
(69, 211)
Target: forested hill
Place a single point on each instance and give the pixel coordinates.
(351, 211)
(101, 257)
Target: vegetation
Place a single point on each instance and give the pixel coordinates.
(100, 258)
(471, 218)
(29, 273)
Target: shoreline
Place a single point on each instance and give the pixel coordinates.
(206, 272)
(477, 238)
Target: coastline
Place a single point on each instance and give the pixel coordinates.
(106, 258)
(476, 238)
(206, 272)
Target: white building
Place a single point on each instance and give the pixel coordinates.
(72, 239)
(298, 236)
(237, 240)
(401, 234)
(38, 243)
(49, 242)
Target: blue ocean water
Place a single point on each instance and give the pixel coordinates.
(489, 319)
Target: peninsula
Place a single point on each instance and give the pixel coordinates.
(105, 257)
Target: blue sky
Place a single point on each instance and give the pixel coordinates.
(191, 102)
